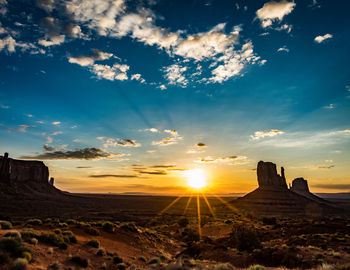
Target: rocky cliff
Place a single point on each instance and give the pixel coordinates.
(301, 187)
(28, 178)
(268, 176)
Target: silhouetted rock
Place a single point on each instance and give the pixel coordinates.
(273, 197)
(52, 181)
(268, 176)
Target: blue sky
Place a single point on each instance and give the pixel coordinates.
(123, 96)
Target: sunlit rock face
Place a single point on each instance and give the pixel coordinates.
(268, 176)
(300, 185)
(23, 170)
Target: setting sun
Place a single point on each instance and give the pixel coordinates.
(196, 178)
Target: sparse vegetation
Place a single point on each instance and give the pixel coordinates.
(154, 260)
(244, 238)
(101, 252)
(183, 222)
(14, 234)
(256, 267)
(34, 222)
(13, 246)
(108, 226)
(223, 266)
(117, 259)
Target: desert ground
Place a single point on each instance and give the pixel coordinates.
(163, 232)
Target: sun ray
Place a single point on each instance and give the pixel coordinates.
(226, 204)
(209, 206)
(187, 204)
(170, 205)
(199, 218)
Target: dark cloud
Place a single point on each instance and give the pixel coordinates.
(113, 175)
(163, 166)
(333, 186)
(86, 153)
(49, 148)
(201, 144)
(326, 167)
(156, 172)
(83, 167)
(151, 188)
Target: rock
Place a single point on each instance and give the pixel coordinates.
(268, 176)
(52, 181)
(299, 185)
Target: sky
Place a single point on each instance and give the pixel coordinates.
(125, 96)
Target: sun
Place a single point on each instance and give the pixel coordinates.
(196, 178)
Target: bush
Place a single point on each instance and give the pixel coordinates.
(71, 237)
(269, 221)
(50, 250)
(121, 266)
(154, 260)
(27, 255)
(128, 226)
(101, 252)
(244, 238)
(256, 267)
(13, 246)
(34, 221)
(53, 239)
(13, 234)
(5, 225)
(28, 235)
(4, 258)
(117, 259)
(223, 266)
(108, 226)
(82, 262)
(183, 222)
(143, 259)
(19, 264)
(93, 243)
(71, 221)
(33, 241)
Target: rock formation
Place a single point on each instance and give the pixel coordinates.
(25, 177)
(273, 197)
(268, 176)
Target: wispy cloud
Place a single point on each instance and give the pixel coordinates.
(113, 176)
(56, 123)
(329, 107)
(231, 160)
(266, 133)
(121, 142)
(283, 49)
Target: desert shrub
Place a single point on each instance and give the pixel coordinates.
(129, 226)
(33, 241)
(71, 221)
(27, 255)
(93, 243)
(154, 260)
(13, 246)
(143, 259)
(108, 226)
(50, 251)
(5, 225)
(19, 264)
(34, 221)
(336, 254)
(269, 220)
(244, 238)
(53, 239)
(57, 231)
(29, 234)
(117, 259)
(82, 262)
(183, 222)
(256, 267)
(4, 258)
(223, 266)
(121, 266)
(101, 252)
(14, 234)
(71, 237)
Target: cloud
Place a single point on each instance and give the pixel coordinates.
(56, 123)
(111, 73)
(46, 4)
(89, 60)
(83, 167)
(201, 145)
(52, 41)
(56, 133)
(121, 142)
(285, 27)
(320, 39)
(9, 44)
(23, 128)
(266, 133)
(155, 172)
(329, 107)
(138, 77)
(162, 87)
(326, 167)
(175, 75)
(232, 160)
(113, 176)
(86, 153)
(333, 186)
(153, 130)
(49, 148)
(172, 132)
(283, 49)
(273, 11)
(198, 148)
(49, 139)
(169, 140)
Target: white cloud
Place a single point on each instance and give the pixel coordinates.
(115, 72)
(23, 128)
(49, 139)
(138, 77)
(273, 11)
(329, 107)
(121, 142)
(153, 130)
(283, 49)
(266, 133)
(56, 123)
(285, 27)
(166, 141)
(162, 87)
(56, 133)
(320, 39)
(52, 41)
(175, 75)
(89, 60)
(46, 4)
(10, 44)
